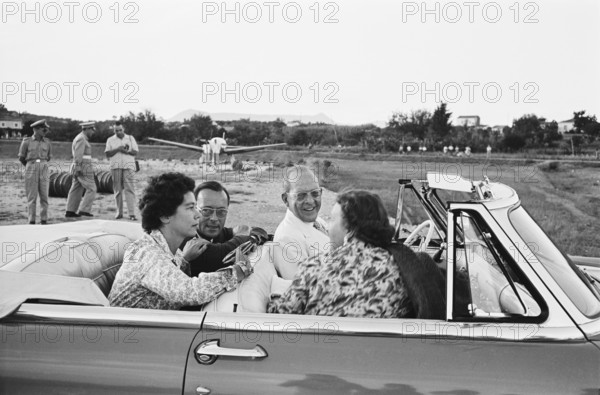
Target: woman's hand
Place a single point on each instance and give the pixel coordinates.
(242, 268)
(194, 248)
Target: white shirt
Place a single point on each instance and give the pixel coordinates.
(121, 160)
(299, 241)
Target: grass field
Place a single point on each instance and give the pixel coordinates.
(564, 198)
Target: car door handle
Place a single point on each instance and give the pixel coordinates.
(209, 350)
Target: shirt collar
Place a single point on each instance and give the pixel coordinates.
(159, 239)
(220, 238)
(295, 221)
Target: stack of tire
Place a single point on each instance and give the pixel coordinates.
(60, 183)
(104, 182)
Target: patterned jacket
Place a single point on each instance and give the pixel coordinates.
(151, 277)
(355, 280)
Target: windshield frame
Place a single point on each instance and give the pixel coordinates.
(560, 267)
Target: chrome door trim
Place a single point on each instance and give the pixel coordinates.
(255, 328)
(592, 329)
(450, 265)
(72, 314)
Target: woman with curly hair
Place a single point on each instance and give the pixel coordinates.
(154, 274)
(359, 277)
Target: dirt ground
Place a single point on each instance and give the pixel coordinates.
(255, 194)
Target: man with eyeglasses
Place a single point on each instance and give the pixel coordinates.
(35, 153)
(302, 233)
(205, 253)
(82, 173)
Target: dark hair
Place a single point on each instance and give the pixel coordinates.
(213, 186)
(118, 123)
(161, 197)
(366, 217)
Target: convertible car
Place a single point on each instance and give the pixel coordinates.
(520, 317)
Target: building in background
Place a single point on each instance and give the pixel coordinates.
(566, 126)
(10, 127)
(468, 121)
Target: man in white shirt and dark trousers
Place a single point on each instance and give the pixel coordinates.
(121, 150)
(301, 233)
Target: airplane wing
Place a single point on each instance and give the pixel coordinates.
(240, 150)
(186, 146)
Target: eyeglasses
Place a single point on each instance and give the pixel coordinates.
(315, 194)
(208, 212)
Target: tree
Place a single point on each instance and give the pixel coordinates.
(3, 109)
(580, 121)
(440, 126)
(551, 134)
(201, 127)
(586, 124)
(513, 142)
(528, 128)
(411, 126)
(142, 125)
(297, 136)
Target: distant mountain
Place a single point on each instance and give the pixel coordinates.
(226, 116)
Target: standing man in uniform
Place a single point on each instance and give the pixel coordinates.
(83, 174)
(34, 154)
(121, 150)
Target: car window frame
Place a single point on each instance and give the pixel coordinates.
(454, 215)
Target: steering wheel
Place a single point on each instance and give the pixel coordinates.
(415, 233)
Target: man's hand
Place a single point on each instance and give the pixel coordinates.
(241, 230)
(194, 248)
(259, 235)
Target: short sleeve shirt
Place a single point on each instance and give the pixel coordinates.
(32, 149)
(121, 160)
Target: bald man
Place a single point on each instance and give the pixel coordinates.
(302, 233)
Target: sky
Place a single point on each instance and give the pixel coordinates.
(355, 61)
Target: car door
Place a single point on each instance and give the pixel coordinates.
(61, 349)
(486, 345)
(310, 354)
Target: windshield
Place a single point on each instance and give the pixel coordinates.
(565, 273)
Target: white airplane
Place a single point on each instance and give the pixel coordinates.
(214, 147)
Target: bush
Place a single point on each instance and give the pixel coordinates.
(549, 165)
